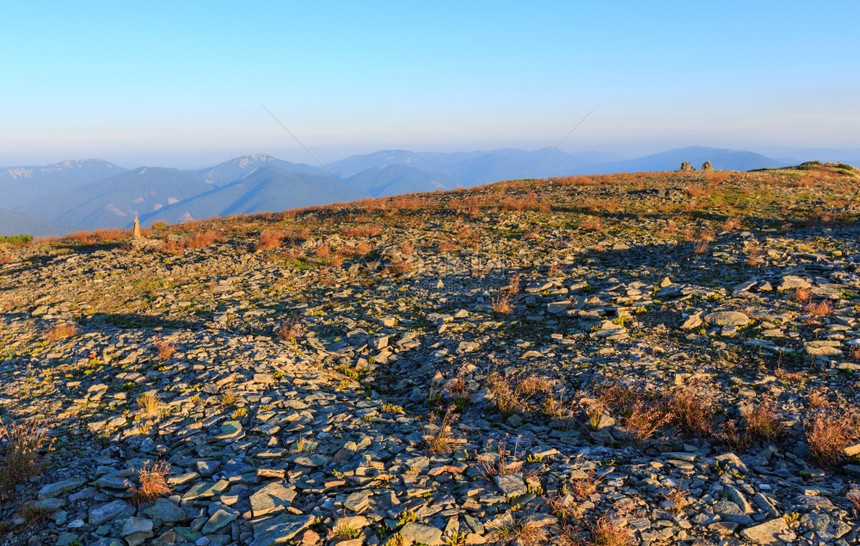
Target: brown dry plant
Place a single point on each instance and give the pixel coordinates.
(165, 349)
(153, 483)
(21, 447)
(60, 331)
(828, 432)
(692, 410)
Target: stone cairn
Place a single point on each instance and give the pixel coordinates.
(707, 166)
(686, 167)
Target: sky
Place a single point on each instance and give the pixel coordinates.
(188, 84)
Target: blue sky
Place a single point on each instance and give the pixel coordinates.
(183, 83)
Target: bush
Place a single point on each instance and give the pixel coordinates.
(16, 240)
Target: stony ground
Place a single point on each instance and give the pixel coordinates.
(663, 358)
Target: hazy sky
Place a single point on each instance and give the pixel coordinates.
(182, 83)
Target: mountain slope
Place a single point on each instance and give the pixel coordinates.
(115, 201)
(23, 184)
(387, 180)
(266, 189)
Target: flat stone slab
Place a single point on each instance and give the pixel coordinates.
(766, 533)
(230, 430)
(271, 498)
(106, 512)
(280, 529)
(727, 318)
(792, 282)
(511, 485)
(822, 348)
(419, 533)
(219, 520)
(165, 511)
(58, 488)
(357, 501)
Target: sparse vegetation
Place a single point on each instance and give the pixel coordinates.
(829, 431)
(22, 446)
(60, 331)
(16, 240)
(150, 405)
(152, 478)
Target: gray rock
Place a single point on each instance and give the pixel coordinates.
(727, 318)
(693, 321)
(136, 530)
(357, 501)
(419, 533)
(767, 532)
(272, 498)
(106, 512)
(219, 520)
(57, 488)
(729, 511)
(511, 485)
(280, 529)
(791, 282)
(165, 511)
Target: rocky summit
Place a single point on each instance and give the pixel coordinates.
(652, 358)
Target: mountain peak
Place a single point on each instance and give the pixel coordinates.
(246, 160)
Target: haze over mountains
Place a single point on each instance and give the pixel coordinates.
(89, 194)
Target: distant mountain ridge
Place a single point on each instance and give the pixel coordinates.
(23, 184)
(92, 193)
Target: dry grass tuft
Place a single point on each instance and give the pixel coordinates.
(585, 484)
(829, 432)
(20, 447)
(61, 331)
(289, 328)
(610, 531)
(502, 303)
(150, 405)
(645, 418)
(165, 349)
(202, 240)
(802, 295)
(511, 394)
(820, 309)
(693, 410)
(153, 483)
(269, 240)
(732, 224)
(679, 498)
(755, 255)
(498, 464)
(763, 422)
(446, 246)
(520, 532)
(442, 439)
(229, 398)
